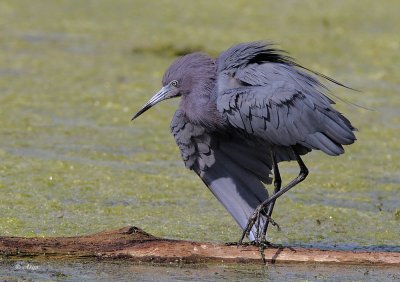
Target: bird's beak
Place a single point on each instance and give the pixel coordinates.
(165, 93)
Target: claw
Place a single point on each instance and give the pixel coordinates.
(255, 220)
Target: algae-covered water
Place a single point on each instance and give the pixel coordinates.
(82, 270)
(73, 72)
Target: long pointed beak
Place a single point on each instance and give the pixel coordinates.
(160, 95)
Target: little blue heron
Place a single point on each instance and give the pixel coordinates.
(243, 113)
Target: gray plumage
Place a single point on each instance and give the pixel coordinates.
(242, 114)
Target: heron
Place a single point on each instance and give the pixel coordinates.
(243, 113)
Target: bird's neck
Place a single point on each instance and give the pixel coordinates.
(200, 108)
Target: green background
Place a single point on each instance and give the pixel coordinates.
(72, 73)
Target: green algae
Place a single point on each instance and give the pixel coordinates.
(71, 75)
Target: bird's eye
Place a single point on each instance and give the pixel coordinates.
(174, 83)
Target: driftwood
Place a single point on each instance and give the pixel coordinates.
(134, 244)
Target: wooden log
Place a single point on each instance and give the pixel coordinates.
(135, 244)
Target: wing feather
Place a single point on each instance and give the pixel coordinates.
(231, 167)
(278, 101)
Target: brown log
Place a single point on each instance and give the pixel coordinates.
(135, 244)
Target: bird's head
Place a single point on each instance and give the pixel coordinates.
(182, 77)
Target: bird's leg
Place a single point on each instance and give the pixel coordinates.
(302, 175)
(256, 217)
(268, 213)
(277, 187)
(263, 244)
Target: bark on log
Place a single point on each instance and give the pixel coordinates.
(135, 244)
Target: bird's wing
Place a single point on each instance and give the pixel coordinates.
(265, 94)
(231, 168)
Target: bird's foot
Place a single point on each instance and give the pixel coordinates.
(256, 220)
(264, 245)
(240, 244)
(251, 243)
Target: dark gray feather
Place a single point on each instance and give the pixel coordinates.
(232, 167)
(290, 101)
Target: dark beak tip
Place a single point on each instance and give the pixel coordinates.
(158, 97)
(135, 116)
(141, 111)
